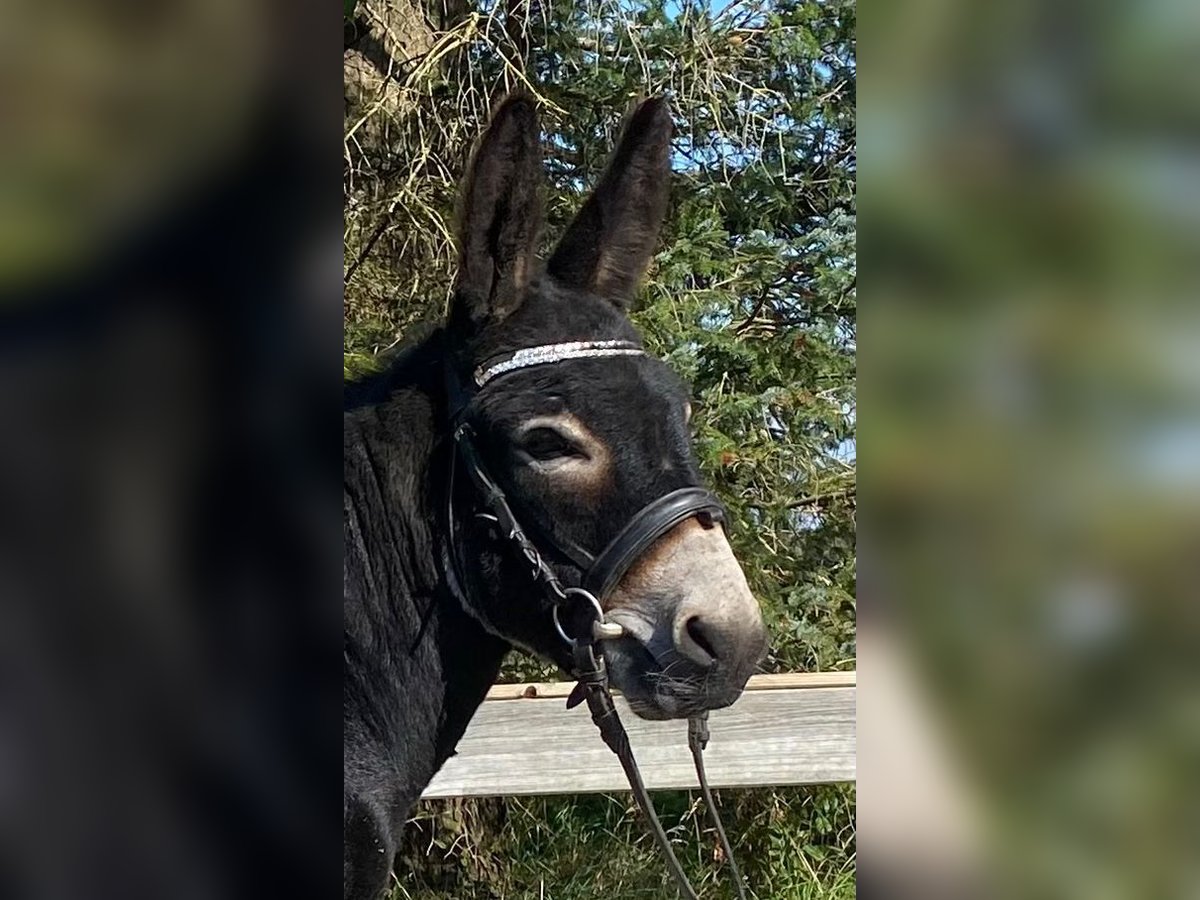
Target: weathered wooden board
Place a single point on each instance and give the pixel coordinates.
(786, 729)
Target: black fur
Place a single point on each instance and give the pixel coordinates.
(417, 664)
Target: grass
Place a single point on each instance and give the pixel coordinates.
(792, 844)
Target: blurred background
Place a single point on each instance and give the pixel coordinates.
(169, 550)
(1030, 713)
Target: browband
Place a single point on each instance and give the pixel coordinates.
(552, 353)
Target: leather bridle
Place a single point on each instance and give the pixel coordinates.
(578, 612)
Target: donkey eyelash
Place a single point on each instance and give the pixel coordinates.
(545, 445)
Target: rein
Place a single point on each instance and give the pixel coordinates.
(581, 606)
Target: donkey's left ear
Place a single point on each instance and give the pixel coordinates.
(609, 244)
(501, 213)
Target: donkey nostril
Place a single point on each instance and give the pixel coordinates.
(695, 630)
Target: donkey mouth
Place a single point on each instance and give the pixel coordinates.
(664, 686)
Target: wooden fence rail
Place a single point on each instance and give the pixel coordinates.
(785, 729)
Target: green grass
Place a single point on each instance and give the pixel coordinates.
(792, 844)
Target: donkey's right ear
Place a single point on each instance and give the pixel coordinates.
(608, 246)
(501, 213)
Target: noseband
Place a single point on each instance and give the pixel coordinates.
(599, 574)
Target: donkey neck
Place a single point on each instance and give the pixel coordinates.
(417, 666)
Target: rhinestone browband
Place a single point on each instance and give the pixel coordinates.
(552, 353)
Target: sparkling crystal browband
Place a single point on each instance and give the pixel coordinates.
(552, 353)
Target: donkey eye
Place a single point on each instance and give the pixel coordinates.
(546, 443)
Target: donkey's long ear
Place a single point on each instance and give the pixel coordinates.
(608, 246)
(501, 213)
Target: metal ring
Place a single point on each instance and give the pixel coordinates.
(567, 593)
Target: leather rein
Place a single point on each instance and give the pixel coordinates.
(578, 612)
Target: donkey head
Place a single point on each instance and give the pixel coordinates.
(582, 446)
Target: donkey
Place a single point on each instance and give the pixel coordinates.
(580, 446)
